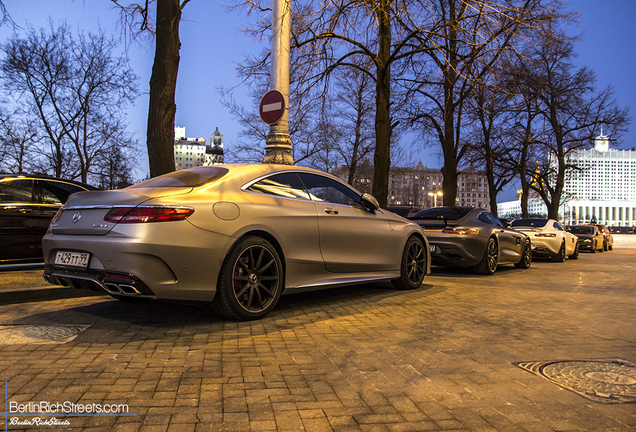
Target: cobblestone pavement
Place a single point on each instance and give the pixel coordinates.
(368, 358)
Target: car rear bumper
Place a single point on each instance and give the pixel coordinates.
(545, 247)
(121, 284)
(183, 265)
(461, 252)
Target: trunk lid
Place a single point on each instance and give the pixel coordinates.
(83, 213)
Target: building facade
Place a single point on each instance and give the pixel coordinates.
(602, 190)
(420, 186)
(193, 152)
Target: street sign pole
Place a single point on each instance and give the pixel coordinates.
(278, 147)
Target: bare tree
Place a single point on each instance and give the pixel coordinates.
(354, 113)
(572, 110)
(76, 91)
(306, 107)
(331, 35)
(115, 168)
(18, 140)
(490, 136)
(5, 18)
(470, 37)
(163, 81)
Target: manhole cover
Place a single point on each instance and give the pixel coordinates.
(602, 380)
(39, 334)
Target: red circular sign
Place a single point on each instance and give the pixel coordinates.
(272, 107)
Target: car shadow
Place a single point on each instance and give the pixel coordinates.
(113, 321)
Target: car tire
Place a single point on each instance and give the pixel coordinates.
(250, 281)
(412, 266)
(526, 257)
(488, 263)
(575, 255)
(560, 256)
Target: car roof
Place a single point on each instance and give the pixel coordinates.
(244, 172)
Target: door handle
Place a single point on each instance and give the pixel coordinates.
(25, 210)
(331, 211)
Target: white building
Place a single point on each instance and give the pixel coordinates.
(193, 152)
(536, 208)
(603, 190)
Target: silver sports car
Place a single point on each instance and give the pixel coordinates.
(472, 237)
(549, 238)
(236, 235)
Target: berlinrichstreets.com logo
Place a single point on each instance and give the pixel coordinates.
(44, 413)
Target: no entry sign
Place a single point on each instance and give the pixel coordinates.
(272, 107)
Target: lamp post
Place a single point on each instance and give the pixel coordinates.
(435, 195)
(278, 147)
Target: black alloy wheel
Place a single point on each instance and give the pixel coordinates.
(560, 257)
(251, 280)
(488, 263)
(526, 256)
(575, 255)
(413, 265)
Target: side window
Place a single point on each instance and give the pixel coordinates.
(285, 185)
(489, 219)
(558, 227)
(16, 191)
(325, 189)
(57, 192)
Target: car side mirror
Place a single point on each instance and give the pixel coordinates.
(370, 202)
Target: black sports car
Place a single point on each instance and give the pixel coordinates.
(472, 237)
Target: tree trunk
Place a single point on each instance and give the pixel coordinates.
(163, 82)
(382, 156)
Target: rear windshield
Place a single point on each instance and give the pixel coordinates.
(442, 213)
(535, 223)
(582, 230)
(192, 177)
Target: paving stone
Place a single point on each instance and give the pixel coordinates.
(365, 358)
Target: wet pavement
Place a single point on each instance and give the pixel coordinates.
(551, 348)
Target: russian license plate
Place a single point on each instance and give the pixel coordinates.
(75, 259)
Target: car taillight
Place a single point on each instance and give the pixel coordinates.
(127, 215)
(461, 231)
(57, 217)
(545, 235)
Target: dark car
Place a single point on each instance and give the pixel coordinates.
(404, 211)
(472, 237)
(27, 205)
(590, 237)
(608, 238)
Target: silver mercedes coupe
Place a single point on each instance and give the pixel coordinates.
(236, 235)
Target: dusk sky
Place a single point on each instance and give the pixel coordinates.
(212, 45)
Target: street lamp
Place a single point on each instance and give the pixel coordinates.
(435, 195)
(278, 147)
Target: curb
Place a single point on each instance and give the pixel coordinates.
(24, 295)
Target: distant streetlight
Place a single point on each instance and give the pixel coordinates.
(435, 195)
